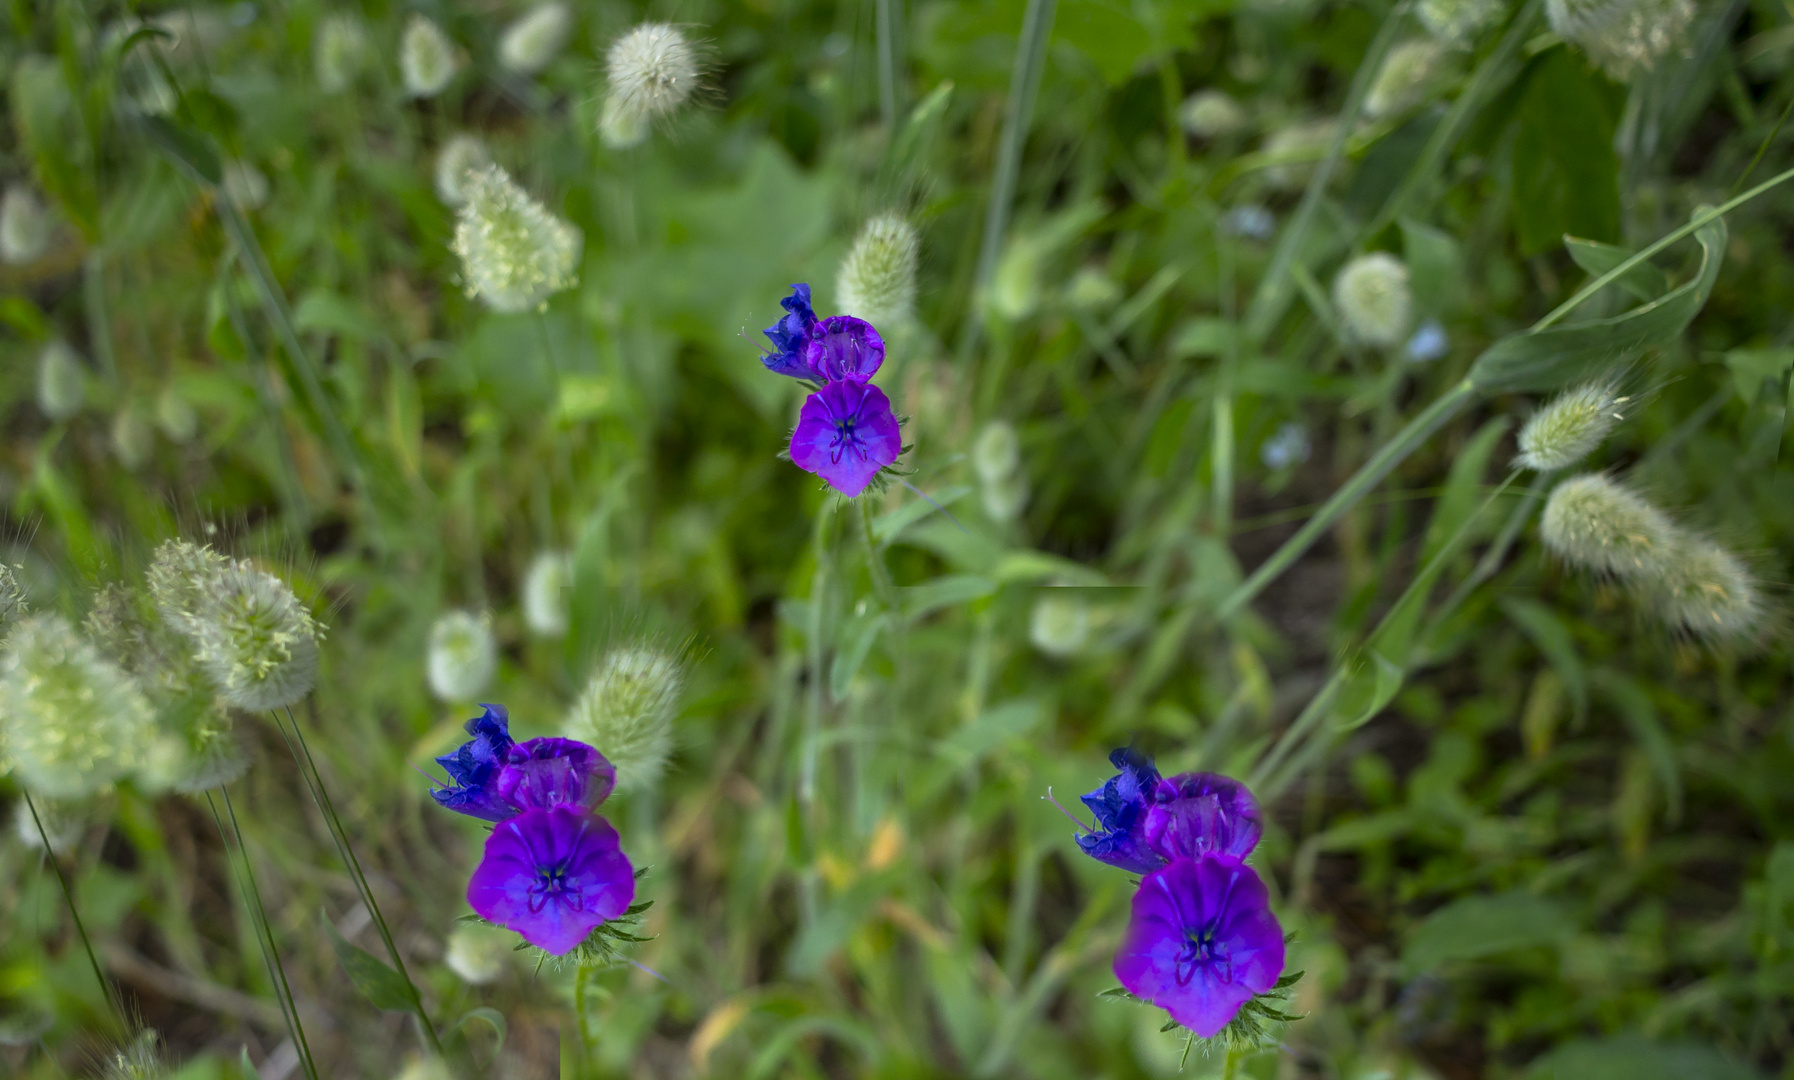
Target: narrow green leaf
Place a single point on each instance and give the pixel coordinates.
(1634, 706)
(1476, 927)
(1368, 692)
(1644, 280)
(381, 985)
(1552, 637)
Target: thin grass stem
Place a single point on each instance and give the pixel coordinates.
(885, 29)
(1024, 84)
(244, 873)
(308, 769)
(68, 898)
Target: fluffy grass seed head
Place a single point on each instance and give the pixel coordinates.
(428, 60)
(74, 722)
(1704, 590)
(1624, 37)
(61, 381)
(340, 53)
(142, 1060)
(1296, 148)
(545, 587)
(515, 254)
(180, 580)
(535, 38)
(1059, 625)
(1595, 523)
(1211, 114)
(877, 280)
(1456, 22)
(1405, 78)
(463, 655)
(246, 185)
(627, 712)
(651, 70)
(25, 226)
(477, 952)
(461, 155)
(1373, 299)
(13, 605)
(255, 638)
(1569, 427)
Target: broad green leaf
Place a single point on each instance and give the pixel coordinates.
(1632, 1057)
(1751, 368)
(949, 591)
(43, 112)
(1477, 927)
(992, 728)
(887, 527)
(487, 1015)
(1435, 262)
(1552, 358)
(383, 987)
(333, 313)
(1552, 637)
(1564, 173)
(1644, 280)
(1463, 486)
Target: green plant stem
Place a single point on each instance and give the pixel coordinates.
(1371, 473)
(68, 898)
(244, 873)
(816, 688)
(308, 769)
(1024, 84)
(885, 17)
(297, 506)
(1497, 552)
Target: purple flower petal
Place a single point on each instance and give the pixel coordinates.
(845, 434)
(1202, 941)
(1194, 813)
(474, 767)
(1120, 807)
(791, 335)
(843, 347)
(552, 875)
(541, 773)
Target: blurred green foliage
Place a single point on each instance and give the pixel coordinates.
(1535, 835)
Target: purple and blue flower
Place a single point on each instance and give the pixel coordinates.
(846, 431)
(553, 869)
(1202, 941)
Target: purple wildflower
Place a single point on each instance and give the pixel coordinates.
(541, 773)
(790, 338)
(1202, 941)
(1120, 807)
(845, 434)
(1198, 813)
(474, 767)
(843, 347)
(552, 875)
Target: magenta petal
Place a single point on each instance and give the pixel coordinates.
(540, 773)
(1202, 941)
(843, 347)
(845, 434)
(552, 876)
(1193, 813)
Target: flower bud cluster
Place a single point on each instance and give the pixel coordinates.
(1691, 584)
(627, 712)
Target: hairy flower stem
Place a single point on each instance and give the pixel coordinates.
(68, 898)
(244, 873)
(308, 769)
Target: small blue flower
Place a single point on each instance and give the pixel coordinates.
(1250, 220)
(790, 337)
(1289, 446)
(474, 768)
(1120, 807)
(1428, 343)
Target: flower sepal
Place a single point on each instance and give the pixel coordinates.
(1257, 1026)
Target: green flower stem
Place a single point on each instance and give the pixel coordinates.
(308, 769)
(815, 698)
(237, 853)
(68, 898)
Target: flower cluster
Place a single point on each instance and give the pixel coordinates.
(554, 870)
(1202, 943)
(846, 432)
